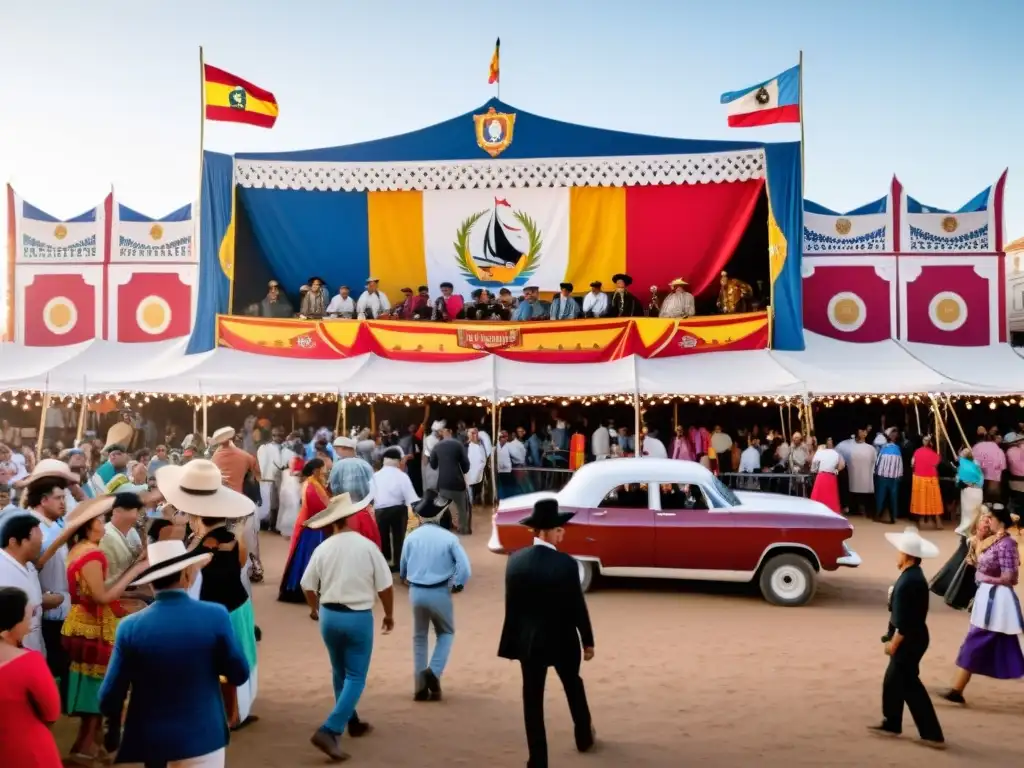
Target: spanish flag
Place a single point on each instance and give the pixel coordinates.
(231, 99)
(495, 75)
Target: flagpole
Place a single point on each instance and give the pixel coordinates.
(197, 210)
(800, 97)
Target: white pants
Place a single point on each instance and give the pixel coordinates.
(266, 499)
(211, 760)
(250, 533)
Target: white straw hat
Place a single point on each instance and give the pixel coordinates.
(344, 442)
(222, 435)
(910, 542)
(49, 468)
(167, 557)
(198, 489)
(339, 507)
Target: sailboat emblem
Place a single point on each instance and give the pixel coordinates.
(494, 131)
(507, 254)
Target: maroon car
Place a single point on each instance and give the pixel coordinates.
(661, 518)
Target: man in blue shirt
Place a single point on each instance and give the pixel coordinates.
(564, 306)
(531, 307)
(435, 565)
(350, 474)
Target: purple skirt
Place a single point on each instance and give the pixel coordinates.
(991, 654)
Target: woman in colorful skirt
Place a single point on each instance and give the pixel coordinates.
(197, 488)
(955, 581)
(925, 496)
(992, 646)
(89, 628)
(304, 540)
(826, 466)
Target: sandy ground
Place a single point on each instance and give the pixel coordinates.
(685, 674)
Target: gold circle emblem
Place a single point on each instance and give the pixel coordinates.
(949, 224)
(60, 316)
(947, 310)
(843, 226)
(846, 312)
(153, 315)
(60, 232)
(156, 231)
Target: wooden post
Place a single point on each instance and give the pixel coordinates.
(782, 424)
(42, 421)
(959, 426)
(494, 453)
(206, 430)
(344, 414)
(917, 418)
(83, 415)
(337, 417)
(373, 419)
(675, 415)
(636, 409)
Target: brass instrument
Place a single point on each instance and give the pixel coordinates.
(733, 295)
(654, 305)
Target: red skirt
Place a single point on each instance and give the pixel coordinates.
(826, 490)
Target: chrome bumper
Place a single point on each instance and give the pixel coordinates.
(851, 559)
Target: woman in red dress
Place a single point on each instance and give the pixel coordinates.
(304, 540)
(29, 699)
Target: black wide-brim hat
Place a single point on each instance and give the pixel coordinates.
(316, 277)
(623, 277)
(546, 516)
(431, 505)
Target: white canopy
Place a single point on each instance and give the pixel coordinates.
(468, 378)
(615, 377)
(997, 368)
(752, 372)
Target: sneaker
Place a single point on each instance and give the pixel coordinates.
(329, 744)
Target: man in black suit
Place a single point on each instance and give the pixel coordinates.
(451, 461)
(546, 621)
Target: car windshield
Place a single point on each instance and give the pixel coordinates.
(725, 493)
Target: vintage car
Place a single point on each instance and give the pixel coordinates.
(661, 518)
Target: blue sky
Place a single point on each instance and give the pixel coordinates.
(107, 92)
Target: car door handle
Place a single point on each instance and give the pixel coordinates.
(598, 514)
(666, 514)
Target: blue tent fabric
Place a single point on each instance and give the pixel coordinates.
(289, 222)
(29, 211)
(785, 191)
(215, 218)
(532, 136)
(124, 213)
(976, 204)
(878, 206)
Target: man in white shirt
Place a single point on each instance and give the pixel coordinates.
(506, 486)
(270, 457)
(652, 446)
(595, 303)
(22, 543)
(601, 443)
(393, 494)
(722, 444)
(750, 459)
(342, 305)
(372, 303)
(344, 577)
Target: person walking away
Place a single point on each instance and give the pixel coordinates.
(345, 576)
(271, 460)
(450, 460)
(435, 566)
(1015, 471)
(888, 474)
(826, 465)
(926, 496)
(861, 470)
(990, 457)
(167, 664)
(29, 698)
(477, 453)
(971, 480)
(546, 621)
(907, 646)
(235, 466)
(393, 494)
(992, 647)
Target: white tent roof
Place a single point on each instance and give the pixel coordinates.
(468, 378)
(997, 368)
(614, 377)
(750, 372)
(831, 367)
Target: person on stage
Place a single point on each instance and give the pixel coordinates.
(546, 621)
(435, 566)
(623, 303)
(907, 643)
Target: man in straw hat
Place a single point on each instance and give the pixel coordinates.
(235, 465)
(167, 663)
(435, 565)
(679, 303)
(908, 643)
(372, 304)
(345, 575)
(546, 620)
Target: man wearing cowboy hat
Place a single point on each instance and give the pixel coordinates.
(546, 621)
(435, 565)
(595, 303)
(344, 578)
(315, 300)
(342, 305)
(372, 304)
(908, 643)
(275, 303)
(623, 303)
(167, 663)
(235, 465)
(679, 303)
(564, 306)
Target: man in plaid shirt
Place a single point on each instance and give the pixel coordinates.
(888, 474)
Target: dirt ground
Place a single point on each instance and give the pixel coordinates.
(684, 674)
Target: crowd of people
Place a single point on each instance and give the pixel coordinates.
(372, 304)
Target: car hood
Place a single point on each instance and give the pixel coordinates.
(525, 500)
(781, 502)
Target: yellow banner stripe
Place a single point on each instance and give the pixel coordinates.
(397, 250)
(217, 96)
(597, 235)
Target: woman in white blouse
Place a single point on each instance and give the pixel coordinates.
(827, 463)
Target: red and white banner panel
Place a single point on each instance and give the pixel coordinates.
(852, 298)
(151, 302)
(58, 308)
(954, 300)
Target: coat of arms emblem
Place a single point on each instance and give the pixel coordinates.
(237, 98)
(506, 253)
(494, 131)
(156, 232)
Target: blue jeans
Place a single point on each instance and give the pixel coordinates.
(348, 636)
(887, 495)
(431, 606)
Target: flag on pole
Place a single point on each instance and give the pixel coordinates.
(773, 101)
(495, 73)
(231, 99)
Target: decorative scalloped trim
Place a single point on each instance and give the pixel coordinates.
(975, 240)
(817, 242)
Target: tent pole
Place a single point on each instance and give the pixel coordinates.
(956, 418)
(636, 409)
(42, 419)
(206, 431)
(675, 415)
(494, 453)
(782, 424)
(83, 414)
(917, 418)
(344, 413)
(337, 417)
(373, 419)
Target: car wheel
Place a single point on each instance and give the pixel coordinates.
(586, 568)
(788, 580)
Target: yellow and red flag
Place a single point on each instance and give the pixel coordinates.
(495, 74)
(231, 99)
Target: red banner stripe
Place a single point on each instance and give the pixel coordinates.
(215, 75)
(229, 115)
